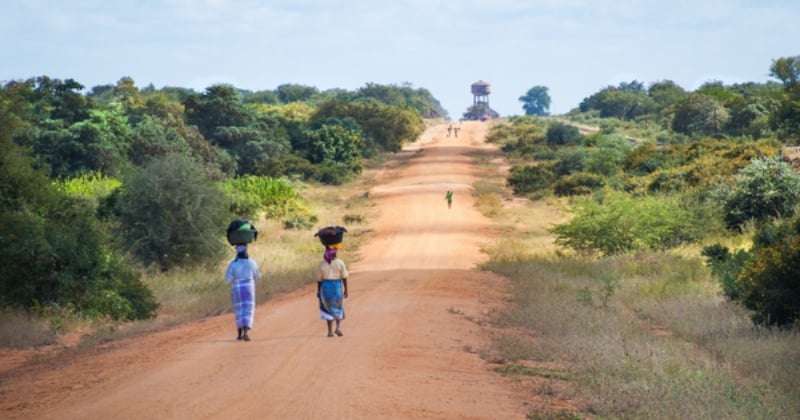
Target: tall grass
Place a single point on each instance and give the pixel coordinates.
(662, 345)
(644, 335)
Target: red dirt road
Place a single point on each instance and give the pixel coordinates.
(410, 338)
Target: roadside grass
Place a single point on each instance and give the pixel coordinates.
(18, 330)
(633, 336)
(663, 345)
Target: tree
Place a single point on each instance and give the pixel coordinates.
(536, 101)
(53, 249)
(700, 115)
(763, 279)
(560, 134)
(786, 119)
(787, 70)
(171, 214)
(766, 188)
(336, 148)
(252, 139)
(665, 94)
(288, 93)
(384, 127)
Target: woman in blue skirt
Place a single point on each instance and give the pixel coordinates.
(242, 274)
(331, 290)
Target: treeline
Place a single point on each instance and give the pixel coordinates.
(97, 183)
(753, 110)
(712, 167)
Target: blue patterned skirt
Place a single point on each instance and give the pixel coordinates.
(330, 300)
(243, 297)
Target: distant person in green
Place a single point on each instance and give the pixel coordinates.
(449, 198)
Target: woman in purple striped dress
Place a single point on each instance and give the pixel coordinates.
(242, 274)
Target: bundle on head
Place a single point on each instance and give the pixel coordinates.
(331, 236)
(241, 232)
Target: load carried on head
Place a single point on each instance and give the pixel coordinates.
(331, 236)
(241, 232)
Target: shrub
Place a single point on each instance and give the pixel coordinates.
(172, 215)
(569, 160)
(764, 279)
(581, 183)
(559, 134)
(766, 188)
(54, 251)
(617, 223)
(530, 179)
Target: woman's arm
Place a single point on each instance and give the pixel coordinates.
(344, 283)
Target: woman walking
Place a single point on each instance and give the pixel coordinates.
(242, 274)
(331, 290)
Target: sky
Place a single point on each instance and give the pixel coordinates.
(573, 47)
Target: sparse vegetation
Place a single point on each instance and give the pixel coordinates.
(640, 332)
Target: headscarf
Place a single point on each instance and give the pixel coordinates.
(330, 254)
(241, 251)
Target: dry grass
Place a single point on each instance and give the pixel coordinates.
(639, 336)
(644, 336)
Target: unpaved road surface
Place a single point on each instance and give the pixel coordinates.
(410, 343)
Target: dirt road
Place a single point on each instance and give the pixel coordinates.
(410, 340)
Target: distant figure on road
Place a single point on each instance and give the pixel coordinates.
(449, 130)
(455, 129)
(242, 274)
(332, 289)
(449, 197)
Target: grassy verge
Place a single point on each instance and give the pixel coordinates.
(635, 336)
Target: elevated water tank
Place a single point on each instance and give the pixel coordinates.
(481, 88)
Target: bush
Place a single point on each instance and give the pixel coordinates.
(559, 134)
(617, 223)
(172, 215)
(764, 189)
(530, 179)
(54, 251)
(581, 183)
(764, 279)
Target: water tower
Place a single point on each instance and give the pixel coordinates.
(480, 93)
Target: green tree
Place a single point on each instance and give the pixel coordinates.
(53, 249)
(763, 279)
(171, 214)
(560, 134)
(384, 127)
(626, 101)
(536, 101)
(666, 93)
(403, 96)
(786, 119)
(289, 93)
(617, 223)
(700, 115)
(336, 149)
(766, 188)
(787, 70)
(253, 140)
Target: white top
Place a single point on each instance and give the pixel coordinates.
(243, 269)
(336, 270)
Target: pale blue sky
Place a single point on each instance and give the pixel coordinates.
(573, 47)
